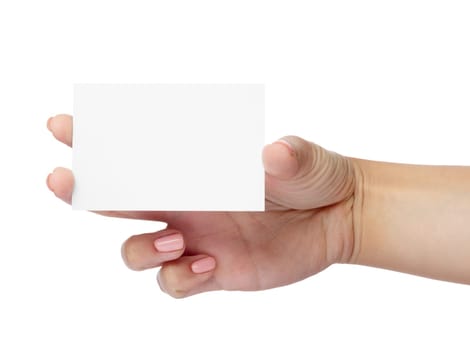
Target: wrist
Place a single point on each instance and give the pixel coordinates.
(357, 210)
(412, 219)
(343, 222)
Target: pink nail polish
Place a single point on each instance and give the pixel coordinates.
(203, 265)
(169, 243)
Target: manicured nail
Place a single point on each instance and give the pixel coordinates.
(203, 265)
(287, 144)
(49, 121)
(169, 243)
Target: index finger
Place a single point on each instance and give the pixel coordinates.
(61, 126)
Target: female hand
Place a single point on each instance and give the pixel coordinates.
(308, 225)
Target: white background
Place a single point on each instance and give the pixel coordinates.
(382, 80)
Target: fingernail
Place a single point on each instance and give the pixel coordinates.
(287, 144)
(203, 265)
(49, 121)
(169, 243)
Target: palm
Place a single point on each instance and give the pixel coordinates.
(251, 248)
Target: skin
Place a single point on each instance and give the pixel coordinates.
(415, 219)
(308, 225)
(322, 208)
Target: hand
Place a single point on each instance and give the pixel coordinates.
(308, 225)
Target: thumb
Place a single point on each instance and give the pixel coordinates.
(303, 175)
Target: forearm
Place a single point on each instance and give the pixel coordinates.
(413, 219)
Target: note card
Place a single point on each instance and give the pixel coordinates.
(171, 147)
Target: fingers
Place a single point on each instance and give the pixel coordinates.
(280, 160)
(60, 182)
(302, 175)
(61, 127)
(152, 249)
(180, 276)
(188, 276)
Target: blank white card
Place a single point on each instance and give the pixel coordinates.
(168, 147)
